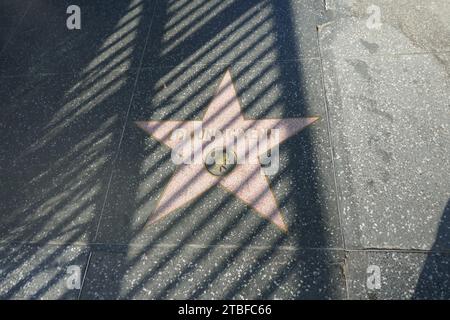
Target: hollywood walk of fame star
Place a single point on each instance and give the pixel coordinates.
(244, 180)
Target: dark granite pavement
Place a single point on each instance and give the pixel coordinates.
(364, 188)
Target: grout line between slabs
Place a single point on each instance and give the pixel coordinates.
(331, 146)
(99, 246)
(120, 143)
(153, 66)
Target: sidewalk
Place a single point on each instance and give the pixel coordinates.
(364, 189)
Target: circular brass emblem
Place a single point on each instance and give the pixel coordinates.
(219, 162)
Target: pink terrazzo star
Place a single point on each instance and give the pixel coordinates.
(245, 180)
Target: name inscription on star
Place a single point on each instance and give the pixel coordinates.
(217, 162)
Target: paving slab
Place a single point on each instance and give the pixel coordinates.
(190, 272)
(403, 27)
(227, 32)
(403, 275)
(40, 272)
(304, 186)
(390, 124)
(60, 134)
(217, 224)
(12, 13)
(111, 34)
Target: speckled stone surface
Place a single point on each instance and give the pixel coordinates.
(404, 275)
(407, 26)
(214, 272)
(389, 102)
(12, 13)
(60, 134)
(230, 31)
(40, 272)
(366, 185)
(144, 166)
(111, 36)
